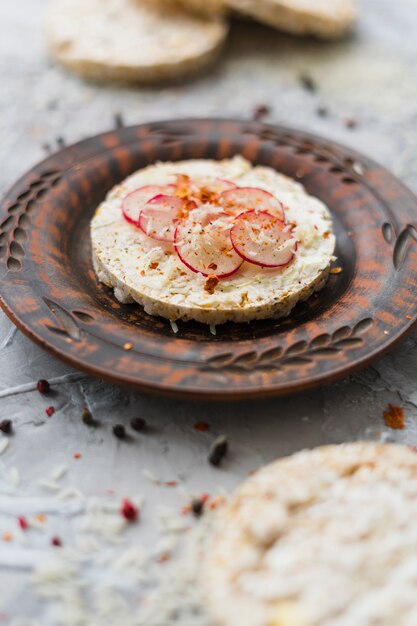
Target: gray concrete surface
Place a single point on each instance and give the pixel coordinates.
(371, 77)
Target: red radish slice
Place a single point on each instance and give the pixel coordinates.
(249, 199)
(262, 239)
(202, 242)
(135, 201)
(159, 217)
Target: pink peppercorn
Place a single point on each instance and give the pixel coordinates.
(129, 511)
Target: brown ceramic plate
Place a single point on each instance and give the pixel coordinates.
(49, 290)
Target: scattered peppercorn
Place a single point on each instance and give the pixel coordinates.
(88, 419)
(138, 424)
(119, 431)
(197, 507)
(118, 120)
(23, 523)
(6, 427)
(129, 511)
(308, 83)
(260, 111)
(322, 111)
(218, 451)
(202, 427)
(350, 122)
(43, 386)
(56, 541)
(50, 411)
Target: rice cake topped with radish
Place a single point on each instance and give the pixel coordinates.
(212, 241)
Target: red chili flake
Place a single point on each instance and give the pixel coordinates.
(170, 483)
(50, 411)
(202, 427)
(413, 448)
(77, 455)
(205, 497)
(127, 346)
(129, 511)
(186, 509)
(216, 503)
(408, 317)
(56, 541)
(336, 270)
(43, 386)
(7, 537)
(23, 523)
(211, 283)
(394, 417)
(164, 557)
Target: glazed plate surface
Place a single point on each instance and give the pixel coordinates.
(49, 289)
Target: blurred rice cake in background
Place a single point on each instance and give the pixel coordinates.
(328, 19)
(132, 41)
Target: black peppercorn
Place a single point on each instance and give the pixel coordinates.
(119, 431)
(138, 424)
(87, 418)
(6, 426)
(218, 451)
(308, 83)
(197, 507)
(322, 111)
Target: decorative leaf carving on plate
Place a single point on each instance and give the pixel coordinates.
(68, 324)
(299, 353)
(13, 228)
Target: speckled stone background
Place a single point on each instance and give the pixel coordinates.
(372, 78)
